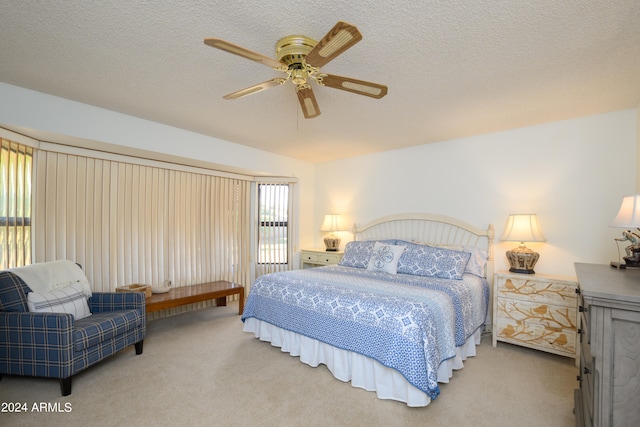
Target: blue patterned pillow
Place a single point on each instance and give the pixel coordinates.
(357, 253)
(431, 261)
(477, 262)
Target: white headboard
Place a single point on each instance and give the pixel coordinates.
(430, 228)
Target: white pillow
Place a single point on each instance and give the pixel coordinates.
(70, 299)
(385, 258)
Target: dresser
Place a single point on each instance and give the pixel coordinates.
(318, 257)
(609, 378)
(538, 311)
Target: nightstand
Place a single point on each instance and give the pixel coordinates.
(538, 311)
(317, 257)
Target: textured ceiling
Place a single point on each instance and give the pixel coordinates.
(453, 68)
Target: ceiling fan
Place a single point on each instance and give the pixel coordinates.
(300, 58)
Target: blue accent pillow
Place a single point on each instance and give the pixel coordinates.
(431, 261)
(357, 253)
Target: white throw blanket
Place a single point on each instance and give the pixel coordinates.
(45, 277)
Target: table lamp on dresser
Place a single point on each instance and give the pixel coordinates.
(629, 217)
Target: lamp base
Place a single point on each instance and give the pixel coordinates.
(521, 271)
(332, 243)
(522, 260)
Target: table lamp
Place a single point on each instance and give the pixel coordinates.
(522, 228)
(629, 217)
(332, 223)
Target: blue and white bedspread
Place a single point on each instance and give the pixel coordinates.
(408, 323)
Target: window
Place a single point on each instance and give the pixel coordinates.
(16, 161)
(273, 229)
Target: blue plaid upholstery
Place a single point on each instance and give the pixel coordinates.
(13, 292)
(53, 345)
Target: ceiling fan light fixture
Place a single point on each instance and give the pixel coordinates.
(293, 49)
(299, 76)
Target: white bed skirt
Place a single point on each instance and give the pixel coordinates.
(363, 372)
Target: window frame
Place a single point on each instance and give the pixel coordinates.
(272, 223)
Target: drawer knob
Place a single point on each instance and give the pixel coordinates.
(583, 309)
(580, 331)
(586, 370)
(579, 378)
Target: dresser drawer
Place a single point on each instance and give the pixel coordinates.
(544, 327)
(542, 291)
(586, 376)
(584, 330)
(587, 372)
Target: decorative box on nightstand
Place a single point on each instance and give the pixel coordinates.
(537, 311)
(317, 257)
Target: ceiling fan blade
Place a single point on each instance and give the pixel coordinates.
(360, 87)
(307, 101)
(245, 53)
(340, 38)
(255, 88)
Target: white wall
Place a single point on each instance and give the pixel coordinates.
(53, 115)
(573, 174)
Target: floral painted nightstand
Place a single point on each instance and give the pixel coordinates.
(537, 311)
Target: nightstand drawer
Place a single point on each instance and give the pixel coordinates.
(545, 327)
(329, 258)
(536, 290)
(319, 257)
(309, 257)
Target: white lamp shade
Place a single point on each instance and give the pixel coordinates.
(523, 228)
(629, 213)
(332, 222)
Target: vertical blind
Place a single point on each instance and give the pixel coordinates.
(127, 223)
(275, 202)
(16, 162)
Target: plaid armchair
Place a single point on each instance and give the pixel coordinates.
(55, 345)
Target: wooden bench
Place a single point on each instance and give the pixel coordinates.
(219, 291)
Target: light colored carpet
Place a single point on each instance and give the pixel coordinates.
(199, 368)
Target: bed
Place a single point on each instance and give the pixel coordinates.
(403, 309)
